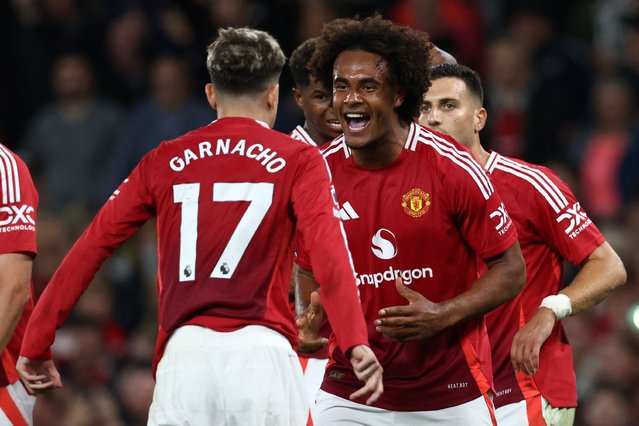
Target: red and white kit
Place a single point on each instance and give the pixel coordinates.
(552, 227)
(18, 209)
(228, 198)
(425, 218)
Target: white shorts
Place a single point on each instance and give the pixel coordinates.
(333, 410)
(313, 369)
(249, 376)
(534, 411)
(16, 406)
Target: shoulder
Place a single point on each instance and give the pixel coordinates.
(530, 179)
(15, 176)
(452, 160)
(336, 150)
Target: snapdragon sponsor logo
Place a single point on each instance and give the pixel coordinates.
(384, 246)
(391, 274)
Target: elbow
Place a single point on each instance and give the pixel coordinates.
(517, 273)
(619, 274)
(518, 277)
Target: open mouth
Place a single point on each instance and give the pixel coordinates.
(335, 125)
(357, 122)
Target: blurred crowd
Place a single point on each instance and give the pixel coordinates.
(89, 86)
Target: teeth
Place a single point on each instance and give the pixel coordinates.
(355, 116)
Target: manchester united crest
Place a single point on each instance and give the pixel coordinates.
(416, 202)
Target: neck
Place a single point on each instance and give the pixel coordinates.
(384, 151)
(245, 109)
(317, 138)
(479, 153)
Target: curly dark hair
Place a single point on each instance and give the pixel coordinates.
(406, 50)
(244, 60)
(299, 61)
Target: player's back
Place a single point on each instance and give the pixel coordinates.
(225, 224)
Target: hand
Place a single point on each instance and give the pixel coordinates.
(527, 343)
(38, 376)
(418, 320)
(308, 324)
(368, 369)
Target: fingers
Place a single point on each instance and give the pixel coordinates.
(373, 386)
(525, 356)
(312, 345)
(315, 304)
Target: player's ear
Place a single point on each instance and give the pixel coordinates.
(273, 96)
(298, 96)
(399, 98)
(480, 119)
(211, 95)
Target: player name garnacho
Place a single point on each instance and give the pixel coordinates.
(265, 156)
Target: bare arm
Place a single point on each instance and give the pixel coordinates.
(15, 278)
(600, 273)
(422, 318)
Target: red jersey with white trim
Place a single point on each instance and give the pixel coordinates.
(552, 227)
(18, 208)
(300, 134)
(425, 218)
(228, 198)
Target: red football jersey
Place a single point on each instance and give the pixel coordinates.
(424, 218)
(228, 198)
(300, 134)
(18, 208)
(552, 227)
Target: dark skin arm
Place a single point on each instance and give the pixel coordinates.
(422, 318)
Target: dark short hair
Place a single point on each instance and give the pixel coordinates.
(300, 60)
(405, 49)
(244, 60)
(469, 76)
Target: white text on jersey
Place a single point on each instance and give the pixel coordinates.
(265, 156)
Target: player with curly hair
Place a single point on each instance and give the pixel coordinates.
(421, 211)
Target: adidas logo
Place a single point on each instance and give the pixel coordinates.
(347, 212)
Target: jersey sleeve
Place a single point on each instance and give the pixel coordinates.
(480, 213)
(322, 248)
(18, 205)
(123, 214)
(560, 220)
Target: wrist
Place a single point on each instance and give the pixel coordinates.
(559, 304)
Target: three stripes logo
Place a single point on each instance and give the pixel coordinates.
(347, 212)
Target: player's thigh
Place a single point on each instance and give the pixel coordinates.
(557, 416)
(16, 405)
(514, 414)
(332, 410)
(249, 376)
(478, 412)
(264, 386)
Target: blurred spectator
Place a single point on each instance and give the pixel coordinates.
(606, 407)
(169, 111)
(69, 142)
(507, 87)
(560, 80)
(601, 147)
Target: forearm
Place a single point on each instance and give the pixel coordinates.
(305, 284)
(600, 273)
(503, 280)
(15, 277)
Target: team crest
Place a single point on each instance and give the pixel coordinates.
(416, 202)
